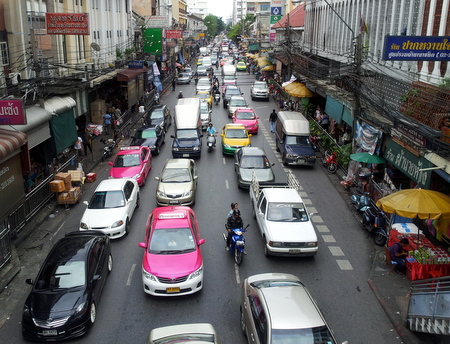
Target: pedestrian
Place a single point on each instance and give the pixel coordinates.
(78, 146)
(398, 254)
(87, 141)
(318, 114)
(273, 120)
(325, 121)
(107, 119)
(173, 84)
(281, 103)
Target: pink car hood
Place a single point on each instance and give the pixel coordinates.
(124, 172)
(246, 122)
(172, 265)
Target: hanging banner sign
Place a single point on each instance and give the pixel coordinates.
(416, 48)
(67, 23)
(12, 112)
(174, 33)
(275, 19)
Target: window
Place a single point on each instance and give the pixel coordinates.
(4, 53)
(264, 7)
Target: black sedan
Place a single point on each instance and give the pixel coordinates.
(159, 115)
(152, 137)
(63, 301)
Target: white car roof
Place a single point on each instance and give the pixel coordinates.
(282, 195)
(112, 184)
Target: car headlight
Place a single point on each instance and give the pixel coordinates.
(312, 244)
(84, 225)
(81, 309)
(196, 148)
(275, 244)
(136, 176)
(226, 145)
(187, 193)
(290, 156)
(117, 224)
(197, 273)
(176, 149)
(152, 147)
(149, 276)
(161, 193)
(26, 311)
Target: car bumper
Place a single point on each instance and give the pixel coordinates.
(192, 154)
(33, 333)
(157, 288)
(230, 150)
(167, 201)
(260, 96)
(113, 233)
(297, 252)
(183, 82)
(300, 161)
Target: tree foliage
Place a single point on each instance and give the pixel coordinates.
(242, 27)
(214, 25)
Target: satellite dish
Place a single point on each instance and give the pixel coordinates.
(95, 46)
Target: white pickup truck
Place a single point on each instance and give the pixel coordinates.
(283, 219)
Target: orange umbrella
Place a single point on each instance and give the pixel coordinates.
(411, 203)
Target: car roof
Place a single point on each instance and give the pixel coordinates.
(259, 83)
(229, 87)
(244, 109)
(237, 97)
(171, 217)
(177, 163)
(252, 151)
(290, 306)
(112, 184)
(283, 195)
(130, 150)
(157, 107)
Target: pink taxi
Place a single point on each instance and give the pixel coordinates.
(247, 117)
(172, 263)
(132, 162)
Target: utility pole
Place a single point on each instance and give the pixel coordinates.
(288, 45)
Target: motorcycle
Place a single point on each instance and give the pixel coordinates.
(330, 162)
(237, 244)
(375, 222)
(156, 98)
(315, 140)
(216, 98)
(211, 142)
(361, 201)
(108, 148)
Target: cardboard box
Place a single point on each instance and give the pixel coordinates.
(67, 186)
(57, 186)
(75, 175)
(74, 193)
(63, 176)
(63, 197)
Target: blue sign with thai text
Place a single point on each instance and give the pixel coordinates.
(416, 48)
(136, 64)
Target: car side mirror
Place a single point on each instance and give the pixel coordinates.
(221, 135)
(172, 136)
(86, 202)
(257, 117)
(201, 242)
(273, 164)
(195, 177)
(233, 117)
(142, 244)
(156, 178)
(29, 281)
(110, 163)
(201, 135)
(250, 135)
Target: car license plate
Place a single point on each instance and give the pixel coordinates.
(294, 250)
(173, 290)
(185, 155)
(49, 333)
(173, 202)
(301, 161)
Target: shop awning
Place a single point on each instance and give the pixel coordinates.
(37, 127)
(129, 74)
(297, 89)
(10, 142)
(103, 78)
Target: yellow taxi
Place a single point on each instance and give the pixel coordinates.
(241, 66)
(205, 96)
(199, 61)
(234, 136)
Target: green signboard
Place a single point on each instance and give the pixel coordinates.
(275, 19)
(153, 41)
(408, 163)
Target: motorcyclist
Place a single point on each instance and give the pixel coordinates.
(180, 95)
(233, 222)
(212, 132)
(196, 78)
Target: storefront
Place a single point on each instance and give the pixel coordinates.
(132, 82)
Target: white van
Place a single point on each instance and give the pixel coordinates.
(187, 141)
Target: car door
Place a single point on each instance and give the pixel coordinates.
(130, 194)
(193, 172)
(146, 160)
(261, 214)
(255, 320)
(237, 162)
(97, 269)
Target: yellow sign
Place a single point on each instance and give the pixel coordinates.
(201, 35)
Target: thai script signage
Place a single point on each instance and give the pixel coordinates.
(136, 64)
(408, 163)
(67, 23)
(12, 112)
(157, 21)
(174, 33)
(416, 48)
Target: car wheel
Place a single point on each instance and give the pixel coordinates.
(127, 227)
(92, 313)
(253, 210)
(138, 201)
(283, 159)
(110, 263)
(266, 250)
(157, 150)
(243, 327)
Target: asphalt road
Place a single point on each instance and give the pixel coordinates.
(336, 277)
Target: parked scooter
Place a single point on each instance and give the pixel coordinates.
(330, 162)
(211, 142)
(315, 140)
(156, 98)
(237, 244)
(361, 201)
(108, 149)
(375, 222)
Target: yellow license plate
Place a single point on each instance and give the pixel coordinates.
(172, 290)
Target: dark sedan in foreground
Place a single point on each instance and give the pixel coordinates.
(63, 301)
(150, 136)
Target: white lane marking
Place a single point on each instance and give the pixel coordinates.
(57, 231)
(328, 238)
(304, 195)
(236, 272)
(336, 251)
(285, 169)
(130, 275)
(316, 218)
(226, 184)
(322, 228)
(344, 264)
(306, 201)
(224, 161)
(312, 210)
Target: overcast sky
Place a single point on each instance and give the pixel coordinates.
(221, 8)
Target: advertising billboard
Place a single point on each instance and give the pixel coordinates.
(67, 23)
(416, 48)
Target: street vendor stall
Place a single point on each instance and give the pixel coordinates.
(425, 260)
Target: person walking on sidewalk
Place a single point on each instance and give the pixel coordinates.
(174, 82)
(273, 120)
(107, 118)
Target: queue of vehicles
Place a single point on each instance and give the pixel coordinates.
(172, 261)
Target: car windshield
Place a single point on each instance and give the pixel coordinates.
(203, 68)
(287, 212)
(157, 114)
(107, 199)
(245, 115)
(229, 77)
(171, 241)
(236, 134)
(183, 75)
(127, 160)
(316, 335)
(203, 95)
(203, 82)
(204, 108)
(233, 91)
(186, 338)
(62, 275)
(297, 140)
(238, 102)
(176, 175)
(146, 134)
(260, 86)
(256, 161)
(188, 134)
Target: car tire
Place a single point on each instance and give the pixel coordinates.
(110, 263)
(283, 159)
(138, 200)
(266, 251)
(92, 313)
(243, 327)
(253, 209)
(157, 150)
(127, 227)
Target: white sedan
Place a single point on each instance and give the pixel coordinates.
(111, 207)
